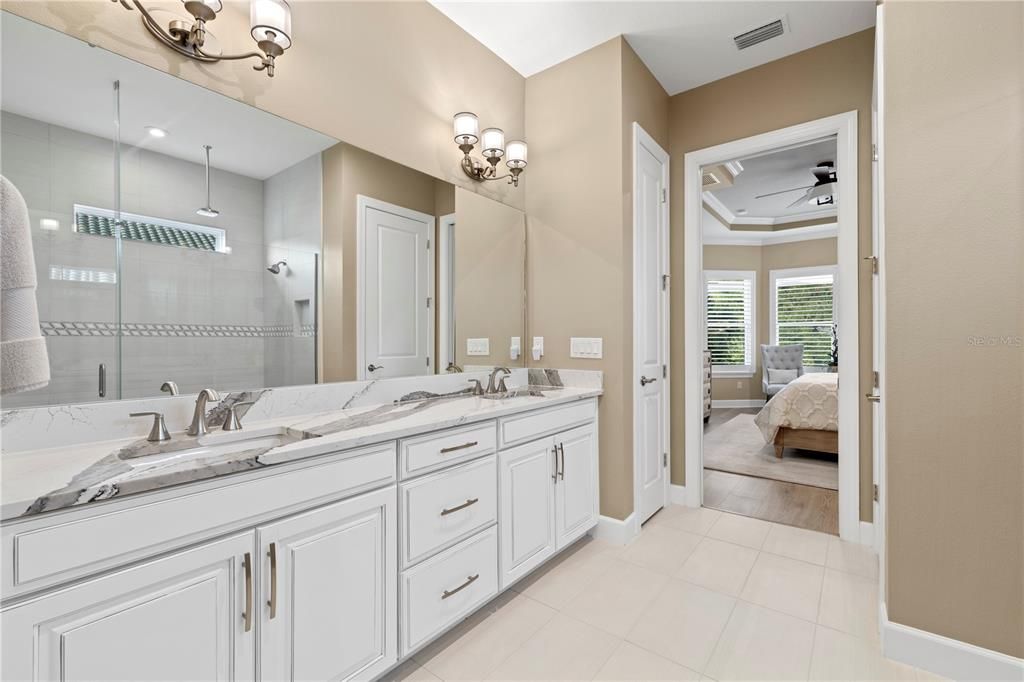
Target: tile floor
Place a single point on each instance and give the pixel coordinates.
(700, 595)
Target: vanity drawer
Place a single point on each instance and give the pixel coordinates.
(526, 427)
(445, 589)
(46, 551)
(437, 450)
(439, 510)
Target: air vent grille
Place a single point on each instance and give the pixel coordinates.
(760, 34)
(708, 179)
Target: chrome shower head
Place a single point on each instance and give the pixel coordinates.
(276, 267)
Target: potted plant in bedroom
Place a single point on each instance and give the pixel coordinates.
(833, 363)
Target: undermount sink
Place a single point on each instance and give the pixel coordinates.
(218, 445)
(521, 392)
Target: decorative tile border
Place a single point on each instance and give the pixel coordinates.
(147, 329)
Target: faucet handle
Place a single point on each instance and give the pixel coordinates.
(477, 388)
(159, 433)
(231, 421)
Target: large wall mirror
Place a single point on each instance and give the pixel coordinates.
(184, 240)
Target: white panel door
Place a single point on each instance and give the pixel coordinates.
(526, 476)
(396, 285)
(328, 597)
(650, 320)
(181, 617)
(576, 493)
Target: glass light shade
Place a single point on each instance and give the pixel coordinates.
(271, 20)
(467, 128)
(493, 142)
(515, 154)
(215, 5)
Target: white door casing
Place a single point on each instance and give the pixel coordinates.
(650, 326)
(445, 292)
(395, 289)
(336, 602)
(844, 127)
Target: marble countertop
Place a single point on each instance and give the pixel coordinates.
(38, 481)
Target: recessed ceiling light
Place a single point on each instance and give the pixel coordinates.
(741, 211)
(156, 132)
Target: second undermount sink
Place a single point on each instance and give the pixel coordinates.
(219, 445)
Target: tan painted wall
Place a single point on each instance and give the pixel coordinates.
(490, 259)
(762, 259)
(384, 76)
(348, 172)
(578, 114)
(828, 79)
(954, 397)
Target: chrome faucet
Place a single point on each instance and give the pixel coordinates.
(170, 387)
(501, 387)
(198, 427)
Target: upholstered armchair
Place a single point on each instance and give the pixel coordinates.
(784, 358)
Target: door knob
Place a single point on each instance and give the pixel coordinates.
(373, 368)
(644, 381)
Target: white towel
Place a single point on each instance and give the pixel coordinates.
(24, 364)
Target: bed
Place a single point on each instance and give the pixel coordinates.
(804, 414)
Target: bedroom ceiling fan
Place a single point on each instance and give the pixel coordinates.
(822, 192)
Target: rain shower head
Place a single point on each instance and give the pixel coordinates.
(276, 267)
(208, 211)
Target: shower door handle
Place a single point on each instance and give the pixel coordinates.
(102, 379)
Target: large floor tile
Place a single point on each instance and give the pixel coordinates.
(615, 600)
(683, 623)
(850, 557)
(849, 603)
(786, 585)
(410, 671)
(740, 530)
(797, 543)
(566, 577)
(630, 662)
(839, 656)
(719, 566)
(693, 520)
(761, 644)
(564, 649)
(485, 646)
(660, 548)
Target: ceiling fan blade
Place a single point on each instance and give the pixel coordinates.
(783, 191)
(802, 200)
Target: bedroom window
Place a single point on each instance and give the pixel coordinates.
(803, 310)
(729, 316)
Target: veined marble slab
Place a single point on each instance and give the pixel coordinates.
(40, 480)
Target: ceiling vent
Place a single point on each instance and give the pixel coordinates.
(760, 34)
(709, 179)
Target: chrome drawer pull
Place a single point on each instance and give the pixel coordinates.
(272, 602)
(247, 615)
(467, 503)
(469, 581)
(445, 451)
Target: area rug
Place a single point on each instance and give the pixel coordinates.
(736, 446)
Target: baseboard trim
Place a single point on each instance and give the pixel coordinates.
(677, 494)
(867, 533)
(944, 656)
(615, 531)
(756, 402)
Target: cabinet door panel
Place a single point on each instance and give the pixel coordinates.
(527, 508)
(576, 494)
(336, 598)
(136, 623)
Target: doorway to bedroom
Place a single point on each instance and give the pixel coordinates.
(770, 322)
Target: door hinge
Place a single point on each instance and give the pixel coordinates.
(428, 245)
(664, 195)
(428, 361)
(874, 263)
(664, 282)
(874, 491)
(664, 459)
(428, 301)
(875, 379)
(664, 371)
(874, 152)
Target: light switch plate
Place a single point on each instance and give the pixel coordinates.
(478, 346)
(537, 349)
(586, 347)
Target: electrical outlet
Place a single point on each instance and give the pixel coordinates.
(739, 384)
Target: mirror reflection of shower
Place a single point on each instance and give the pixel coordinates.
(208, 211)
(275, 269)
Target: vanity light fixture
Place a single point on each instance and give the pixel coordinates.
(494, 148)
(270, 22)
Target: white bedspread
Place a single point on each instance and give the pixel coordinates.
(811, 401)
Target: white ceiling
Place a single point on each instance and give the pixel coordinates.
(774, 172)
(683, 43)
(49, 76)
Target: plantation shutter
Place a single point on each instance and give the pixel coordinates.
(804, 313)
(729, 310)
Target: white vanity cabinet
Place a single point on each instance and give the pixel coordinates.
(187, 616)
(328, 597)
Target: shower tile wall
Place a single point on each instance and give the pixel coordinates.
(56, 168)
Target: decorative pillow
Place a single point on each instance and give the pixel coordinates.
(781, 376)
